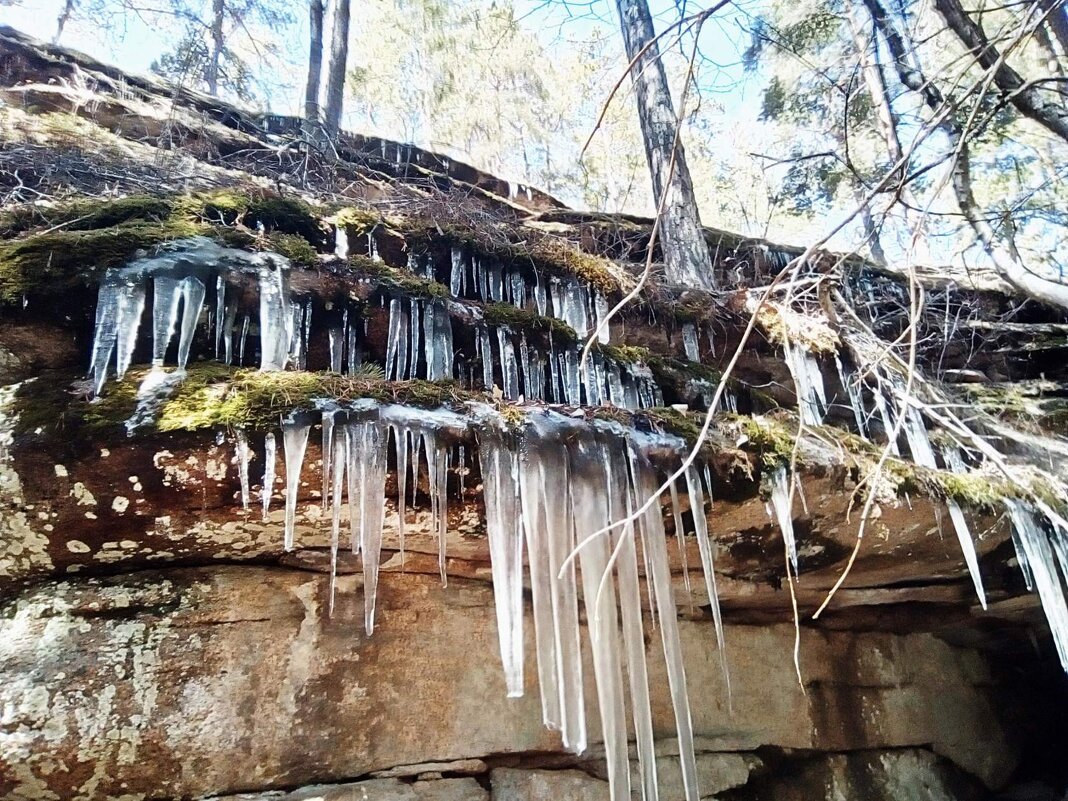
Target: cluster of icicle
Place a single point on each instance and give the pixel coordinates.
(356, 442)
(180, 276)
(567, 299)
(556, 376)
(1039, 534)
(551, 489)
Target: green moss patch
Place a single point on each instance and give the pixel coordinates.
(60, 260)
(402, 280)
(505, 314)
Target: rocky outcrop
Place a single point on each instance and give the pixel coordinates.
(158, 641)
(205, 681)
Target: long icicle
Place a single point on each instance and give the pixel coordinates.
(700, 525)
(269, 458)
(294, 444)
(643, 486)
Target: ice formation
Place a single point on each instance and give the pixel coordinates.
(180, 274)
(1040, 555)
(419, 341)
(781, 510)
(549, 488)
(811, 399)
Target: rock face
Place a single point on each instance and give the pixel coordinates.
(157, 642)
(205, 681)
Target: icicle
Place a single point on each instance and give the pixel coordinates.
(782, 513)
(164, 315)
(243, 339)
(888, 426)
(500, 470)
(811, 400)
(437, 463)
(855, 399)
(341, 242)
(509, 367)
(630, 603)
(276, 321)
(400, 444)
(372, 247)
(336, 341)
(107, 320)
(192, 292)
(241, 450)
(589, 490)
(328, 445)
(131, 305)
(267, 490)
(457, 273)
(532, 488)
(960, 525)
(1039, 558)
(540, 301)
(394, 340)
(689, 342)
(680, 541)
(643, 486)
(294, 443)
(700, 524)
(437, 327)
(485, 348)
(220, 313)
(228, 333)
(337, 458)
(367, 460)
(600, 305)
(355, 358)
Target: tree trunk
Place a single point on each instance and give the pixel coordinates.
(64, 15)
(312, 117)
(211, 72)
(1057, 22)
(1024, 97)
(686, 258)
(1007, 261)
(335, 79)
(865, 43)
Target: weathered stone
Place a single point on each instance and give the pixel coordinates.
(191, 681)
(464, 767)
(377, 790)
(509, 784)
(907, 775)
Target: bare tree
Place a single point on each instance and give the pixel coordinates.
(335, 78)
(686, 257)
(211, 70)
(312, 117)
(61, 22)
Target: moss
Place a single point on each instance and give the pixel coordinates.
(252, 208)
(294, 247)
(812, 332)
(85, 214)
(213, 396)
(626, 354)
(504, 314)
(288, 215)
(769, 439)
(56, 405)
(973, 490)
(357, 222)
(65, 259)
(681, 424)
(677, 373)
(402, 280)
